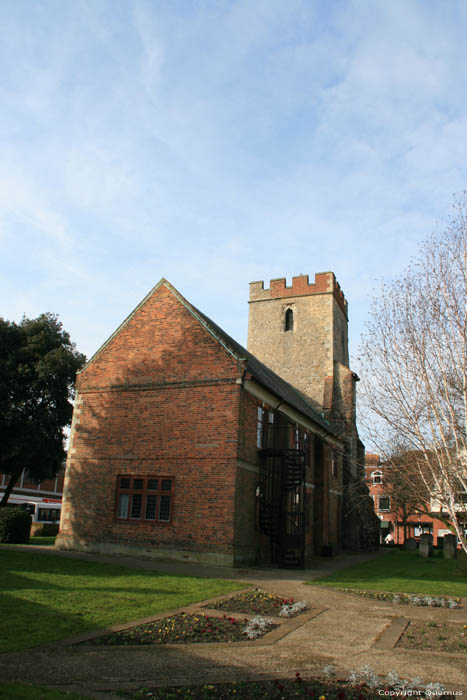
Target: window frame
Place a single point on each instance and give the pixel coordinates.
(144, 492)
(289, 320)
(384, 510)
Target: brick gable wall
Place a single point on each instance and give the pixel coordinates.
(161, 398)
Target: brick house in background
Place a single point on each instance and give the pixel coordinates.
(390, 516)
(42, 499)
(185, 445)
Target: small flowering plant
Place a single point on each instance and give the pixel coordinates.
(407, 599)
(292, 609)
(362, 685)
(258, 626)
(188, 628)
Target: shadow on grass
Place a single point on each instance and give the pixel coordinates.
(22, 623)
(13, 564)
(47, 598)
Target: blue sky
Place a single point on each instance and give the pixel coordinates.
(215, 143)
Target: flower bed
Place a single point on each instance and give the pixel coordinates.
(362, 685)
(406, 598)
(434, 636)
(252, 690)
(186, 628)
(260, 602)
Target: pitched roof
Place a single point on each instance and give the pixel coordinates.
(265, 376)
(259, 371)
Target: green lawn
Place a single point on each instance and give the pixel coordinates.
(19, 691)
(47, 597)
(401, 572)
(44, 541)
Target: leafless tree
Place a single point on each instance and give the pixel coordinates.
(414, 369)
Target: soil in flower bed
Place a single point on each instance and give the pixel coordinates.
(183, 628)
(257, 602)
(434, 636)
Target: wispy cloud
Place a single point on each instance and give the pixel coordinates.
(217, 143)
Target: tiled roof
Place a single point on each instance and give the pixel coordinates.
(259, 371)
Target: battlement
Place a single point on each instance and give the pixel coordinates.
(325, 283)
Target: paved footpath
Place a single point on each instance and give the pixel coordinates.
(346, 631)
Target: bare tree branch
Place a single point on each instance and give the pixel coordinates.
(414, 368)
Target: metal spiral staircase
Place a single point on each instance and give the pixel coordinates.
(282, 499)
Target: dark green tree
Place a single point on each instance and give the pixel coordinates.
(38, 365)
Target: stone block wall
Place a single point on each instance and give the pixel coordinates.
(304, 355)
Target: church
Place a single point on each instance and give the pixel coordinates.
(185, 445)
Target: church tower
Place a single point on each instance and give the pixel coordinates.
(300, 332)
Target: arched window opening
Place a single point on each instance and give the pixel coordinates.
(289, 320)
(377, 477)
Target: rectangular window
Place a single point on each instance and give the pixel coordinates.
(136, 502)
(334, 465)
(122, 507)
(384, 502)
(151, 505)
(259, 428)
(49, 515)
(144, 498)
(164, 509)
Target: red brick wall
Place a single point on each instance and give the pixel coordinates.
(160, 399)
(250, 542)
(161, 343)
(395, 518)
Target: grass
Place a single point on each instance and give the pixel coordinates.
(42, 541)
(20, 691)
(37, 540)
(46, 597)
(401, 572)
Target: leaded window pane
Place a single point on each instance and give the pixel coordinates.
(125, 482)
(164, 508)
(137, 484)
(152, 484)
(122, 508)
(166, 484)
(136, 502)
(384, 503)
(151, 502)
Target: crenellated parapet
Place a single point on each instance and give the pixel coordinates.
(325, 283)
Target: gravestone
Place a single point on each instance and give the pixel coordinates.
(450, 546)
(426, 545)
(410, 543)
